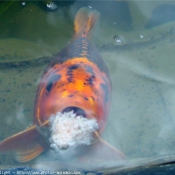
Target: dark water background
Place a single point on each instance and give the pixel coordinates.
(136, 40)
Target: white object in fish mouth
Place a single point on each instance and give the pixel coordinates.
(67, 130)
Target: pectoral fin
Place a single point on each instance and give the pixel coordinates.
(26, 144)
(101, 150)
(108, 150)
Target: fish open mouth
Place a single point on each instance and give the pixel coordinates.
(69, 129)
(75, 110)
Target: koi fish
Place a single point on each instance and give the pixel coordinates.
(77, 79)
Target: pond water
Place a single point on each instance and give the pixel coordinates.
(136, 40)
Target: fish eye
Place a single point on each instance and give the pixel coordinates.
(51, 81)
(106, 92)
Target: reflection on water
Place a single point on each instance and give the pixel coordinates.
(141, 121)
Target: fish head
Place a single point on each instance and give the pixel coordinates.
(76, 85)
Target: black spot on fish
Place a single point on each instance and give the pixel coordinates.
(106, 92)
(70, 69)
(91, 80)
(86, 98)
(51, 81)
(73, 67)
(90, 69)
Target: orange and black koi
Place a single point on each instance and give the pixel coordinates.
(78, 80)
